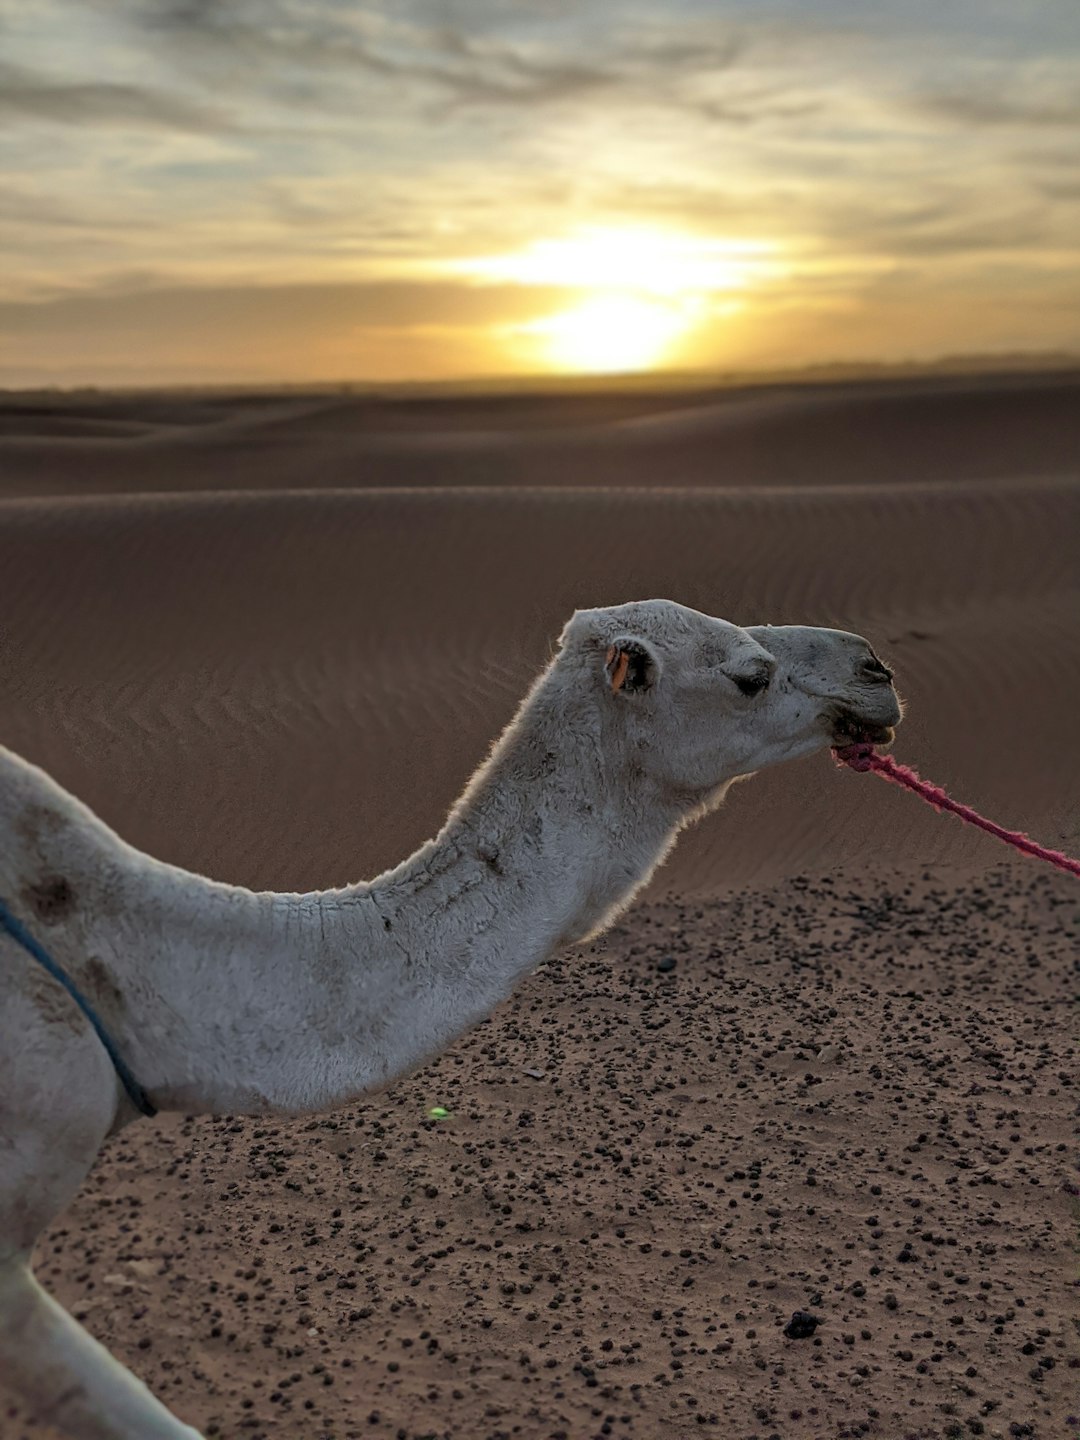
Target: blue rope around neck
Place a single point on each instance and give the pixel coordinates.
(18, 931)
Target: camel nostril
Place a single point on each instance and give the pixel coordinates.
(875, 670)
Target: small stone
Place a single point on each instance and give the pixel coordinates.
(801, 1325)
(666, 965)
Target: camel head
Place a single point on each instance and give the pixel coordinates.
(694, 701)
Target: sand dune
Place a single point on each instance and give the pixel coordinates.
(892, 432)
(270, 639)
(288, 690)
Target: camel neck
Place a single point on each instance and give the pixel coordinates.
(518, 872)
(336, 993)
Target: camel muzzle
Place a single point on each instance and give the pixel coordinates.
(872, 716)
(849, 729)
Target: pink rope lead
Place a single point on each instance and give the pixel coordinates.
(862, 756)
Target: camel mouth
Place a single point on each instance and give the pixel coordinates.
(849, 729)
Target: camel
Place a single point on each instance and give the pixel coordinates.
(220, 1000)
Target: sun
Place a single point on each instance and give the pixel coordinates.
(642, 291)
(609, 334)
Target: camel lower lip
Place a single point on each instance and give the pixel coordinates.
(849, 731)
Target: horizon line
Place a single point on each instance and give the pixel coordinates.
(952, 365)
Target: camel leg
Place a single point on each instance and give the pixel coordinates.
(68, 1380)
(59, 1099)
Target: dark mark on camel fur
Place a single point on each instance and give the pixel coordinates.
(51, 899)
(490, 856)
(41, 822)
(101, 986)
(52, 1002)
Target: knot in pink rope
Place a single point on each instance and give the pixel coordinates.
(862, 756)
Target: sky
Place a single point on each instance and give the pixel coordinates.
(226, 191)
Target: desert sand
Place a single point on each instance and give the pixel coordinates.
(827, 1064)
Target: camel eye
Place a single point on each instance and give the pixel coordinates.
(751, 685)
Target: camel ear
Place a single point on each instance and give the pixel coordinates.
(631, 665)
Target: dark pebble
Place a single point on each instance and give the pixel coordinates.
(801, 1325)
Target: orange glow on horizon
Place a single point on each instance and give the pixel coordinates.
(655, 262)
(609, 333)
(644, 292)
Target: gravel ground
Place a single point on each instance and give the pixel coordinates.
(853, 1098)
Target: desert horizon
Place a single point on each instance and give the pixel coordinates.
(959, 366)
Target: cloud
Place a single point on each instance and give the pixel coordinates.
(983, 108)
(325, 41)
(131, 304)
(36, 210)
(485, 66)
(30, 93)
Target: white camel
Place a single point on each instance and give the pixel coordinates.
(221, 1000)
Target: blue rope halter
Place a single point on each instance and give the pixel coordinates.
(18, 931)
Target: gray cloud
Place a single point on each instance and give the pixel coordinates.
(263, 44)
(31, 93)
(980, 107)
(482, 54)
(267, 38)
(324, 58)
(37, 211)
(940, 227)
(1067, 191)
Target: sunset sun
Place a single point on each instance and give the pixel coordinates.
(641, 293)
(609, 333)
